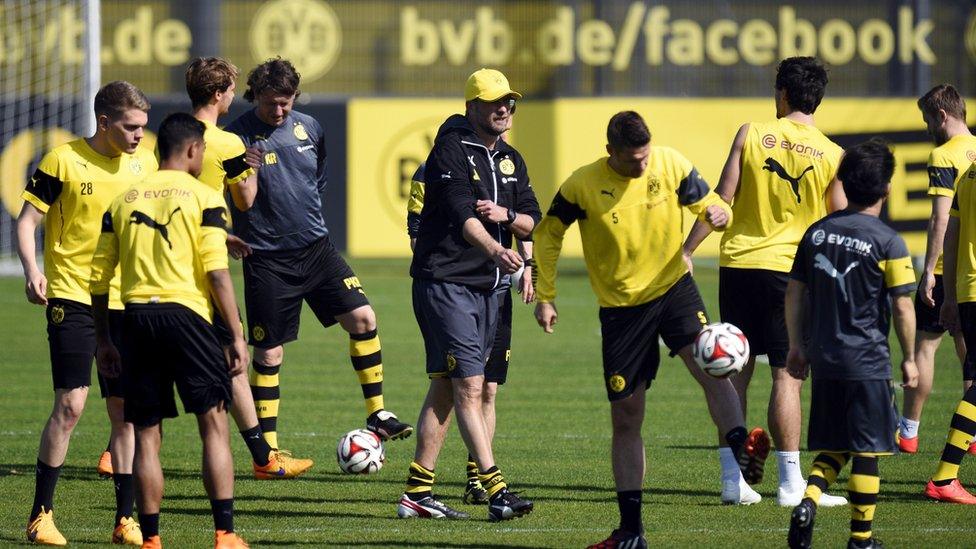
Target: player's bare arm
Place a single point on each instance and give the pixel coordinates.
(796, 361)
(507, 260)
(546, 315)
(526, 285)
(903, 313)
(243, 193)
(938, 221)
(949, 315)
(222, 290)
(36, 283)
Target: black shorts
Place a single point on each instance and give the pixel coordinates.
(165, 344)
(496, 371)
(852, 416)
(967, 324)
(276, 283)
(753, 300)
(927, 318)
(71, 340)
(630, 336)
(220, 327)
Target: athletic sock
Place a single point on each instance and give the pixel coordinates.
(267, 395)
(149, 524)
(961, 431)
(472, 470)
(862, 488)
(826, 467)
(420, 481)
(492, 481)
(907, 428)
(367, 360)
(223, 514)
(46, 478)
(257, 445)
(789, 468)
(730, 466)
(125, 495)
(629, 503)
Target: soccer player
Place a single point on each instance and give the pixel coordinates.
(478, 198)
(944, 113)
(75, 183)
(168, 236)
(496, 370)
(851, 264)
(629, 209)
(293, 259)
(210, 83)
(778, 178)
(958, 314)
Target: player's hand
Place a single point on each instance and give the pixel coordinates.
(237, 248)
(254, 157)
(507, 260)
(36, 288)
(489, 211)
(237, 357)
(909, 374)
(949, 316)
(797, 364)
(687, 258)
(526, 287)
(108, 360)
(546, 316)
(716, 216)
(925, 288)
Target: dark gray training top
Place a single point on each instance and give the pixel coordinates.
(287, 212)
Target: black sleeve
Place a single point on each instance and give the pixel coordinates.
(692, 188)
(525, 199)
(234, 167)
(799, 270)
(214, 217)
(45, 187)
(566, 211)
(321, 172)
(107, 226)
(942, 178)
(447, 171)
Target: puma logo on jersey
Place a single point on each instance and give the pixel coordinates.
(608, 193)
(821, 262)
(778, 169)
(138, 218)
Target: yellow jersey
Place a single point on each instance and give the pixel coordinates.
(79, 183)
(946, 164)
(964, 208)
(786, 167)
(223, 160)
(166, 234)
(632, 229)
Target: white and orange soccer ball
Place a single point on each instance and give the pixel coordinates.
(360, 452)
(721, 349)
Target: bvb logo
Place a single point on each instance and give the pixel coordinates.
(506, 166)
(653, 185)
(617, 383)
(299, 131)
(307, 32)
(135, 166)
(258, 333)
(398, 161)
(451, 362)
(57, 314)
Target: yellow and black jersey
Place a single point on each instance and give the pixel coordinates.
(632, 229)
(963, 208)
(223, 161)
(73, 185)
(946, 164)
(416, 202)
(166, 234)
(786, 168)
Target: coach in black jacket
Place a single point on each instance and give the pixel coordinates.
(477, 197)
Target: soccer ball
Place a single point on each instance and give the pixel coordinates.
(721, 349)
(360, 452)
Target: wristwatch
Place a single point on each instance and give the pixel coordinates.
(512, 214)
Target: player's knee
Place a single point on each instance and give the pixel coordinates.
(488, 393)
(468, 389)
(360, 321)
(69, 407)
(269, 357)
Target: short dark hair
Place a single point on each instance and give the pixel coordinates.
(804, 81)
(943, 97)
(119, 96)
(206, 76)
(627, 130)
(175, 131)
(865, 171)
(277, 75)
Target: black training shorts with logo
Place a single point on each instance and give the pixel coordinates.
(753, 301)
(164, 345)
(496, 371)
(927, 318)
(630, 336)
(71, 340)
(852, 416)
(967, 324)
(276, 284)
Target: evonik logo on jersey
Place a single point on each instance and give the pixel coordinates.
(852, 244)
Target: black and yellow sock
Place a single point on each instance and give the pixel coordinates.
(364, 351)
(472, 470)
(267, 395)
(862, 489)
(962, 429)
(492, 481)
(420, 481)
(826, 467)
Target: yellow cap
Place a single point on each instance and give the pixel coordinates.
(488, 85)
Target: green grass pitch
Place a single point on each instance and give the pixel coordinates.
(552, 444)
